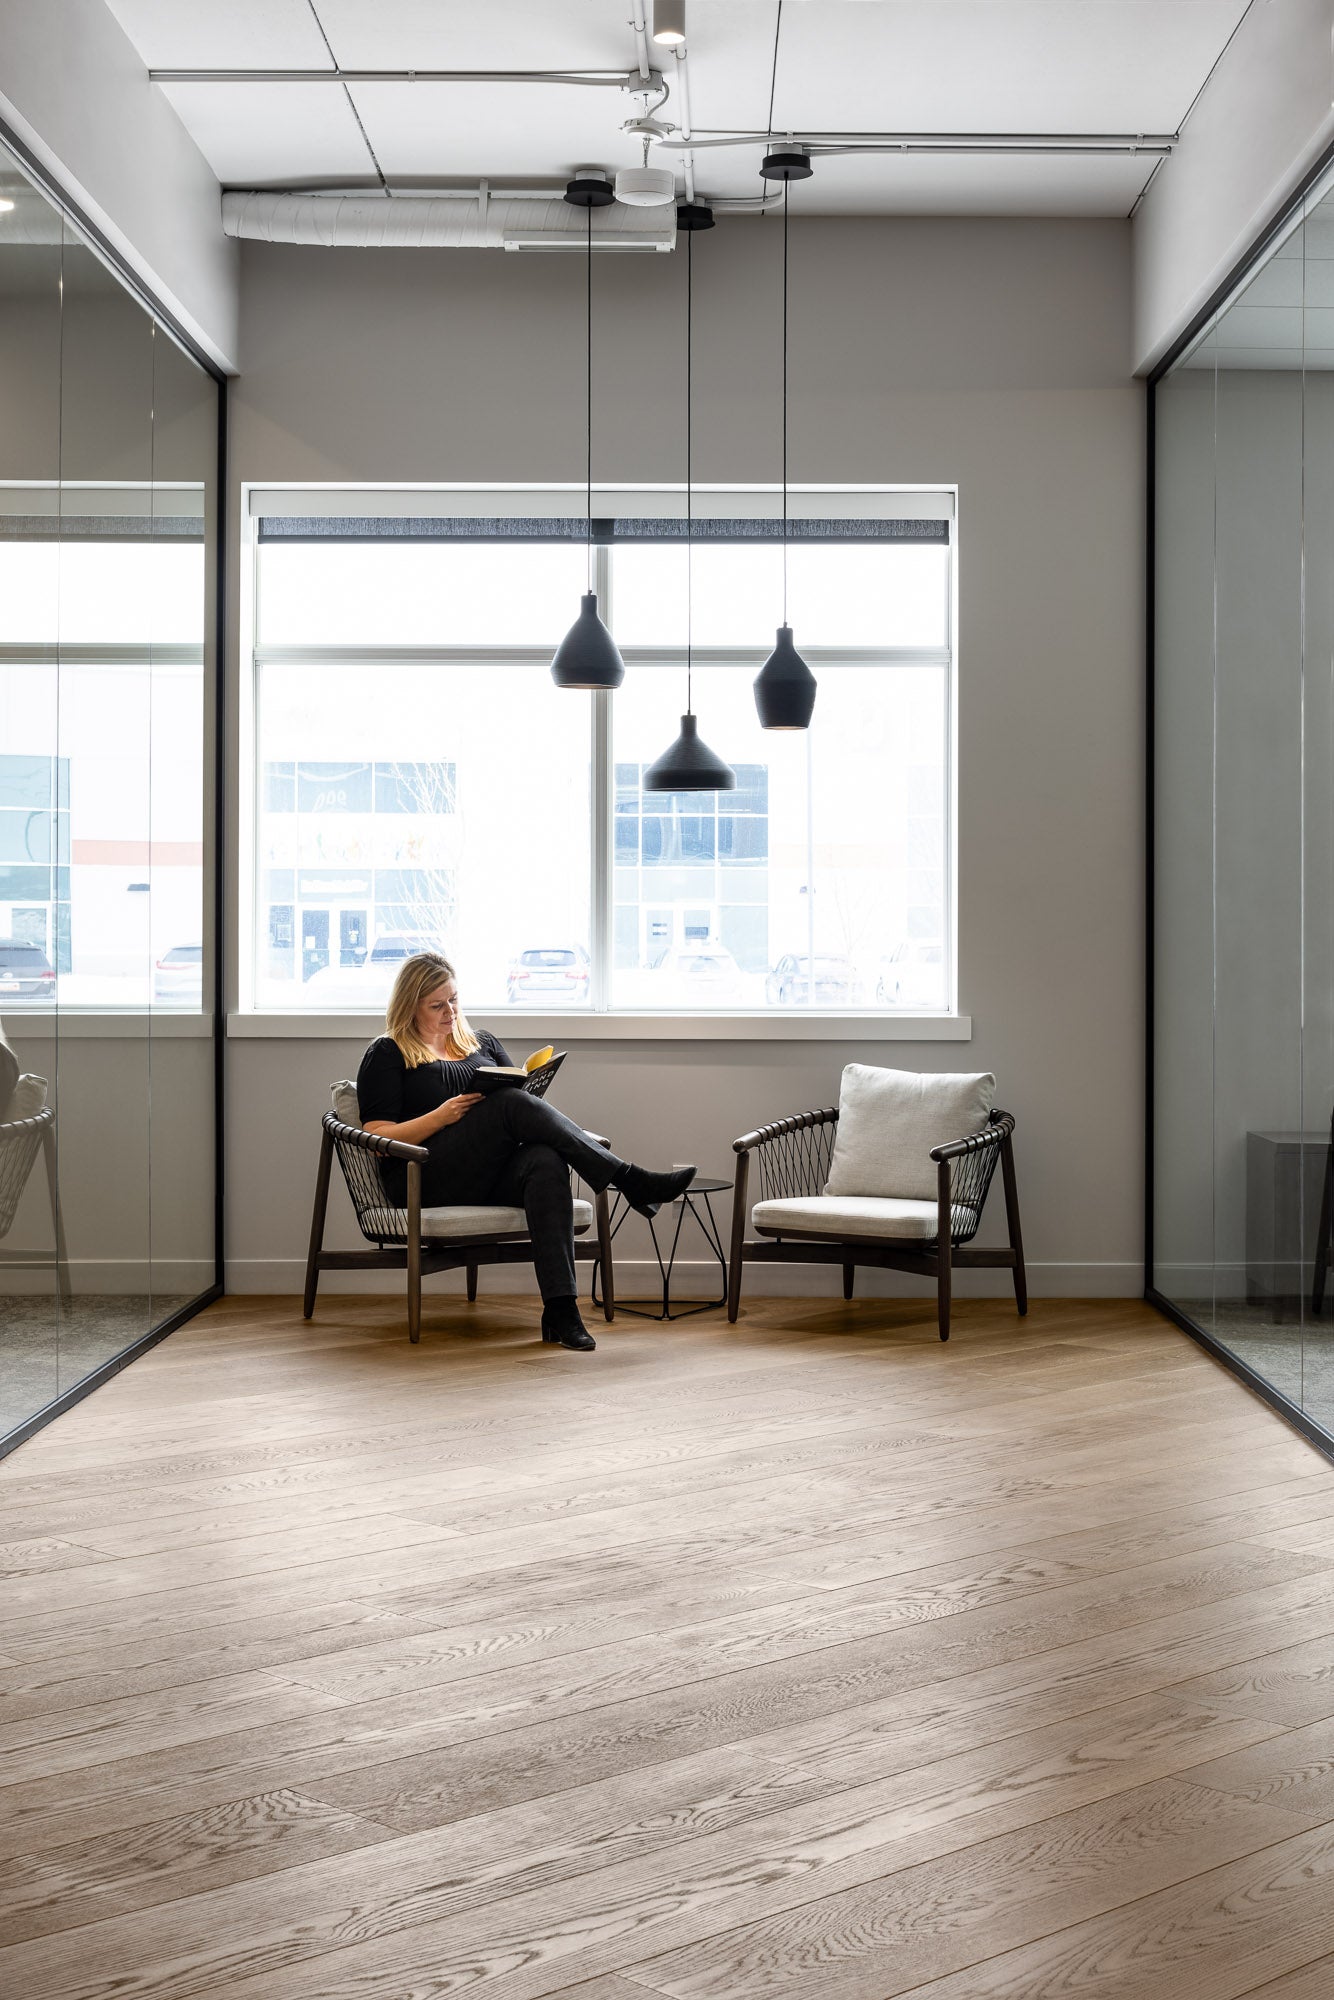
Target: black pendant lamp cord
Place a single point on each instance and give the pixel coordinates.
(786, 185)
(588, 531)
(690, 539)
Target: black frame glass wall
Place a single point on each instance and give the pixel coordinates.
(112, 448)
(1241, 820)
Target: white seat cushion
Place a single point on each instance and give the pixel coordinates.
(888, 1121)
(851, 1215)
(463, 1221)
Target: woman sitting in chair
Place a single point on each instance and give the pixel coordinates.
(505, 1146)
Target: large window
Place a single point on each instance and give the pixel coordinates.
(419, 781)
(101, 765)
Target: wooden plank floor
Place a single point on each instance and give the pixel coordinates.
(802, 1658)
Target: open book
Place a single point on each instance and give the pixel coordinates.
(535, 1076)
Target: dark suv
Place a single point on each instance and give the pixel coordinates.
(25, 972)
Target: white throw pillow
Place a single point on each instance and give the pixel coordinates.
(29, 1097)
(346, 1109)
(888, 1121)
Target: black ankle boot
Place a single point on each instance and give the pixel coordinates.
(646, 1192)
(562, 1326)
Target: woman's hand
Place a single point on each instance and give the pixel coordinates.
(455, 1108)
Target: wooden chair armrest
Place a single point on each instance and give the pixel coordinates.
(371, 1142)
(799, 1122)
(993, 1133)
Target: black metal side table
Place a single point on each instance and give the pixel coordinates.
(699, 1192)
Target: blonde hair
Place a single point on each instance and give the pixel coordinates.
(419, 976)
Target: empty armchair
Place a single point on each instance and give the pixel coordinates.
(895, 1178)
(417, 1240)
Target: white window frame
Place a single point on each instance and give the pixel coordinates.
(599, 1021)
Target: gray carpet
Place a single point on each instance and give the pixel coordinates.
(1290, 1349)
(46, 1348)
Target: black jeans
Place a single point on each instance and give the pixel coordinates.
(516, 1151)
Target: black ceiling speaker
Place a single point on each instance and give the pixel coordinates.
(590, 188)
(787, 163)
(587, 656)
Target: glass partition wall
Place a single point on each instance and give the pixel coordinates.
(109, 449)
(1243, 822)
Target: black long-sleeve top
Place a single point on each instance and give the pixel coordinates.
(387, 1089)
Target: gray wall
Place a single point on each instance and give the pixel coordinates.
(991, 354)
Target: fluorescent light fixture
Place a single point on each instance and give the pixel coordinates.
(528, 239)
(669, 22)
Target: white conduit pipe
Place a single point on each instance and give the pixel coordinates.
(462, 221)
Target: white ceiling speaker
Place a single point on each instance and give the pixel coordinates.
(669, 22)
(645, 187)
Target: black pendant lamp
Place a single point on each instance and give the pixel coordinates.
(689, 765)
(587, 656)
(785, 685)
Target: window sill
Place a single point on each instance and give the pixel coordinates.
(626, 1027)
(90, 1024)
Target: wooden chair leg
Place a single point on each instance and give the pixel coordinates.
(414, 1251)
(738, 1245)
(317, 1224)
(944, 1248)
(602, 1215)
(57, 1219)
(1012, 1217)
(472, 1281)
(849, 1274)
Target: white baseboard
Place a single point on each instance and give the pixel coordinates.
(183, 1277)
(636, 1278)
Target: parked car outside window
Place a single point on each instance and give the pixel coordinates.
(913, 975)
(25, 971)
(179, 974)
(547, 974)
(791, 983)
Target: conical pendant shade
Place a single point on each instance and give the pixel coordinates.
(785, 687)
(689, 765)
(587, 656)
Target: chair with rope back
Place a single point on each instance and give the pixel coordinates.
(797, 1222)
(423, 1241)
(27, 1129)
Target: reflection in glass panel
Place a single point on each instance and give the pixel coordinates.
(1244, 823)
(382, 831)
(33, 830)
(104, 736)
(106, 1133)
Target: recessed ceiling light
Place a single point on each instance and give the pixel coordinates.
(669, 22)
(5, 204)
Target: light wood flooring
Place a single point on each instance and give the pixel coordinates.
(804, 1658)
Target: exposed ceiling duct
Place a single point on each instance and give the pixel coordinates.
(465, 220)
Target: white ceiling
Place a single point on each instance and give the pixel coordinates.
(1034, 66)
